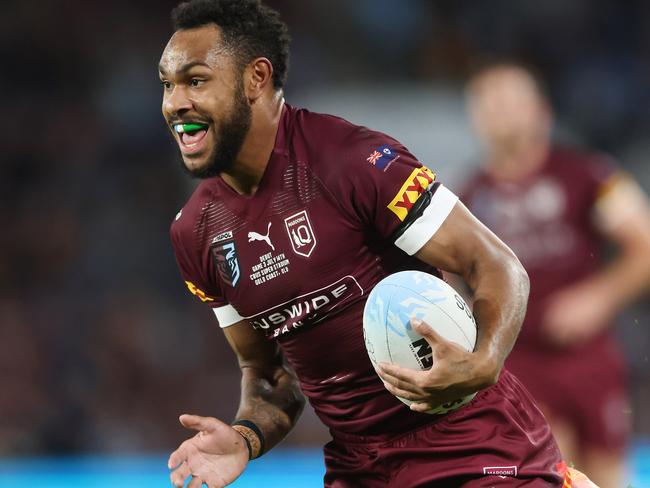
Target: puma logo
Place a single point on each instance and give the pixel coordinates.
(254, 236)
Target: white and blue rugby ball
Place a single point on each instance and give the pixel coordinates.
(389, 336)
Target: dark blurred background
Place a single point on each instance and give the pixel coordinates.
(101, 346)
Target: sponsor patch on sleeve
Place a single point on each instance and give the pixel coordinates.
(200, 294)
(414, 186)
(382, 157)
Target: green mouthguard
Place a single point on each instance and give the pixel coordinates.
(181, 128)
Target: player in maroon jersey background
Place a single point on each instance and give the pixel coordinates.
(556, 207)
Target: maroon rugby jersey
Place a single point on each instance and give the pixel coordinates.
(548, 221)
(339, 207)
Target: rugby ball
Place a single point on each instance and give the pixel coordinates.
(389, 336)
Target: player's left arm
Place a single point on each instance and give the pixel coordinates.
(463, 245)
(622, 215)
(382, 186)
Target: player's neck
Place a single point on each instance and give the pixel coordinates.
(517, 161)
(248, 170)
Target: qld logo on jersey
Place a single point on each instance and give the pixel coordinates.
(301, 234)
(414, 186)
(382, 157)
(224, 254)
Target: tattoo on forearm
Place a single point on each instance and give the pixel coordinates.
(273, 405)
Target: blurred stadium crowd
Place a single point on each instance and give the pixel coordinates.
(101, 346)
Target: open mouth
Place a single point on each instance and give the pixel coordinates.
(191, 136)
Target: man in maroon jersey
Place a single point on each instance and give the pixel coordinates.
(553, 206)
(298, 216)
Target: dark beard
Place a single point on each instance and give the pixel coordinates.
(230, 138)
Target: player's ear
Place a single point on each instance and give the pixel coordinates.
(259, 76)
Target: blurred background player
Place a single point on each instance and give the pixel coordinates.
(556, 207)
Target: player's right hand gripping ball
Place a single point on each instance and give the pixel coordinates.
(413, 294)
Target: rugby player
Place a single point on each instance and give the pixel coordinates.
(555, 206)
(298, 215)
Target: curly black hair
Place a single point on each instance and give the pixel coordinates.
(249, 28)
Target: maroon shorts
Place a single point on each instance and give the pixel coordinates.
(586, 388)
(500, 439)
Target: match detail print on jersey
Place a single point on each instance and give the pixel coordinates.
(269, 267)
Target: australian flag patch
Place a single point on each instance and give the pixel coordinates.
(382, 157)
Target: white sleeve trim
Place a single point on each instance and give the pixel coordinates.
(227, 316)
(423, 229)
